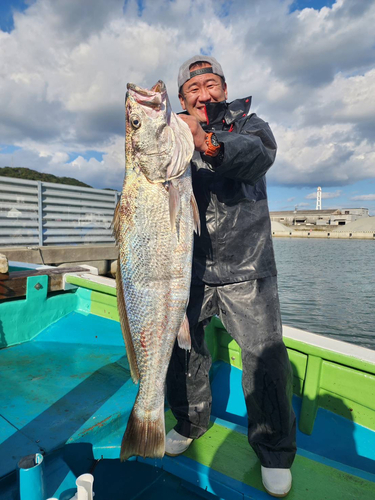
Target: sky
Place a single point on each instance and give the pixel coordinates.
(309, 66)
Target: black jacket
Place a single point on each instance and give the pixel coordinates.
(235, 242)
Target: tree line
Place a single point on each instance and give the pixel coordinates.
(33, 175)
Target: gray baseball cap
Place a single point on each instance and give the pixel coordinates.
(185, 74)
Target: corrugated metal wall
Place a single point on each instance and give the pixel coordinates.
(34, 213)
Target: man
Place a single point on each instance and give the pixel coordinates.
(234, 275)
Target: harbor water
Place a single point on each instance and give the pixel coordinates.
(327, 287)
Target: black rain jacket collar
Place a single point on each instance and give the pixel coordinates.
(224, 112)
(227, 113)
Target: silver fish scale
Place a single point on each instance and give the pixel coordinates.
(156, 272)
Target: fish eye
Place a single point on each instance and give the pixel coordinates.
(135, 121)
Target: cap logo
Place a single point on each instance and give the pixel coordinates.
(200, 71)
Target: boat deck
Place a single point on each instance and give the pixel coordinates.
(68, 394)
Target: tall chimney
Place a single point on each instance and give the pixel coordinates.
(319, 199)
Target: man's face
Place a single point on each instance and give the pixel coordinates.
(200, 90)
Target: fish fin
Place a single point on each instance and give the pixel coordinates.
(116, 223)
(196, 218)
(130, 352)
(174, 204)
(183, 143)
(183, 337)
(144, 438)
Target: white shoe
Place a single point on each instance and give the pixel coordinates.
(175, 444)
(277, 482)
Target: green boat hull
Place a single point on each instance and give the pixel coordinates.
(68, 394)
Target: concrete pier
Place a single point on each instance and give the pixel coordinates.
(333, 235)
(103, 257)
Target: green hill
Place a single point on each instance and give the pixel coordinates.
(33, 175)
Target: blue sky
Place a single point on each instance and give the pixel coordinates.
(310, 4)
(6, 13)
(306, 63)
(287, 198)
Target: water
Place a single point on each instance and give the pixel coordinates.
(327, 287)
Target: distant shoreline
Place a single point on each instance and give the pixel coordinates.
(329, 235)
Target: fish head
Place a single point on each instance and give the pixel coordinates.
(150, 140)
(154, 143)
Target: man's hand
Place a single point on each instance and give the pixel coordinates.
(199, 135)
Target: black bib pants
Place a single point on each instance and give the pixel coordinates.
(250, 312)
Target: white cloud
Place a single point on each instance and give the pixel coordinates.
(108, 173)
(325, 195)
(58, 158)
(312, 76)
(364, 197)
(331, 155)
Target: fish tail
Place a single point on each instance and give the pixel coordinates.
(144, 437)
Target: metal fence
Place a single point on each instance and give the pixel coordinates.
(34, 213)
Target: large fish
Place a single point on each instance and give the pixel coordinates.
(153, 224)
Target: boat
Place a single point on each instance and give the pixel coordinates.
(66, 395)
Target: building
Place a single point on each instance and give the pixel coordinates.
(362, 225)
(329, 217)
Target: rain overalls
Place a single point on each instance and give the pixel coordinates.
(234, 277)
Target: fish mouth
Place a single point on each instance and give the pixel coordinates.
(153, 98)
(159, 88)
